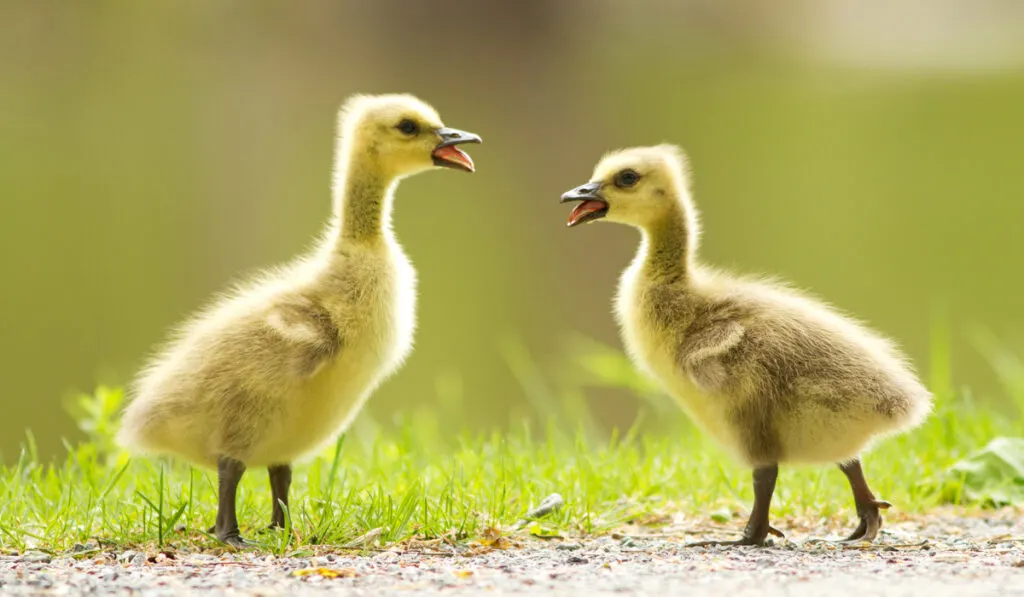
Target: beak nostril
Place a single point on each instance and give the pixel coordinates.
(449, 136)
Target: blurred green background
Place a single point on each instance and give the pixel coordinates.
(150, 152)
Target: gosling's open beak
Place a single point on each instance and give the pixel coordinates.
(592, 207)
(448, 155)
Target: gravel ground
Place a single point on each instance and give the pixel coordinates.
(940, 555)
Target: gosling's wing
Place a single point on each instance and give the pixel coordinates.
(711, 341)
(306, 332)
(716, 329)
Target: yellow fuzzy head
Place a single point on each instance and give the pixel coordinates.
(399, 135)
(638, 186)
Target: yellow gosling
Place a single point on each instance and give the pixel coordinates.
(281, 365)
(773, 375)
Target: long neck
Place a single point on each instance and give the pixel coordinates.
(666, 248)
(362, 203)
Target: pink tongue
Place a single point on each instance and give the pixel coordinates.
(587, 207)
(455, 155)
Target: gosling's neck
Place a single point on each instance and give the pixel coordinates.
(363, 197)
(666, 252)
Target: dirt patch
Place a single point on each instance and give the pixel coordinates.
(941, 554)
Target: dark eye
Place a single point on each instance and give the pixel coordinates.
(626, 179)
(408, 127)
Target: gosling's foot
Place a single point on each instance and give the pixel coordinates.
(758, 526)
(870, 521)
(235, 540)
(736, 542)
(230, 537)
(756, 538)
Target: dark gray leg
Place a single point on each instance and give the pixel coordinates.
(229, 473)
(758, 527)
(867, 505)
(280, 481)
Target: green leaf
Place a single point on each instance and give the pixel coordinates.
(993, 474)
(721, 515)
(538, 530)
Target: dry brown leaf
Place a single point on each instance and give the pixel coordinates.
(493, 539)
(371, 537)
(491, 534)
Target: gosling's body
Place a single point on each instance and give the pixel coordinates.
(774, 376)
(771, 375)
(270, 374)
(282, 365)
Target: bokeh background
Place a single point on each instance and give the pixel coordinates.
(871, 151)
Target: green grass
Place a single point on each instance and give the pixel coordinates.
(416, 481)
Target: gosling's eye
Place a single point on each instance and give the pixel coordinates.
(626, 179)
(408, 127)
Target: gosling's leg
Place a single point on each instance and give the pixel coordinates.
(229, 473)
(867, 505)
(280, 481)
(757, 528)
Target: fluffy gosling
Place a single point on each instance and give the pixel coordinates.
(774, 376)
(281, 365)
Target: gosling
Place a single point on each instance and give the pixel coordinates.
(281, 365)
(774, 376)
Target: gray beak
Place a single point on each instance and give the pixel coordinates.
(592, 204)
(446, 153)
(591, 190)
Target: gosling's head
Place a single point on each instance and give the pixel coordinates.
(401, 135)
(636, 186)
